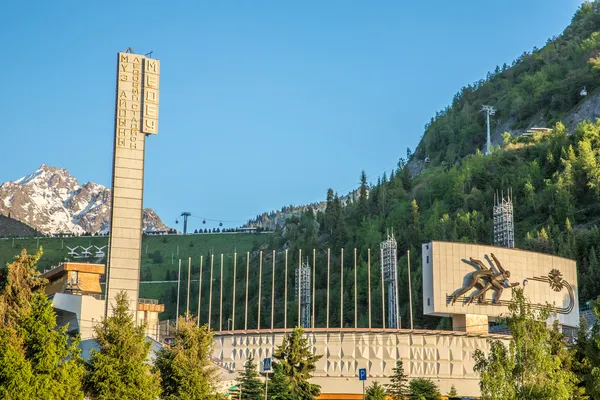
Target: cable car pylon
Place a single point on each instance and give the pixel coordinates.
(185, 216)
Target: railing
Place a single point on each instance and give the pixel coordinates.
(147, 301)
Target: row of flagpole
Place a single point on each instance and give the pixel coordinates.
(298, 276)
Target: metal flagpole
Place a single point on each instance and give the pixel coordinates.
(273, 292)
(342, 290)
(212, 259)
(199, 290)
(397, 300)
(285, 293)
(328, 265)
(369, 273)
(233, 300)
(382, 289)
(409, 291)
(247, 272)
(313, 287)
(178, 287)
(187, 308)
(299, 277)
(355, 293)
(259, 286)
(221, 298)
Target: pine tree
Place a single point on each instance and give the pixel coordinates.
(340, 233)
(363, 207)
(375, 392)
(406, 178)
(18, 283)
(590, 364)
(452, 392)
(423, 389)
(329, 212)
(37, 360)
(251, 387)
(118, 370)
(296, 362)
(185, 368)
(279, 384)
(397, 389)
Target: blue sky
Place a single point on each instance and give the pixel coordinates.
(263, 103)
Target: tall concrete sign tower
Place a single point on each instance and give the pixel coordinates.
(136, 116)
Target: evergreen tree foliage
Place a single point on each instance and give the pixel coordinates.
(452, 392)
(118, 370)
(37, 360)
(535, 365)
(279, 384)
(589, 361)
(423, 389)
(185, 368)
(18, 283)
(397, 389)
(251, 387)
(375, 392)
(295, 362)
(363, 207)
(582, 365)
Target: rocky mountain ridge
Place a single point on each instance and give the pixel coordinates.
(52, 201)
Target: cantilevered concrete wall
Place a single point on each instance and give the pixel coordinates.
(448, 269)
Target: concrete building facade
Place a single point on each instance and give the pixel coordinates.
(446, 357)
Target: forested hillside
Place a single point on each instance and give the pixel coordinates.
(539, 88)
(555, 178)
(556, 183)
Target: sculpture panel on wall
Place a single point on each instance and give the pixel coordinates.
(496, 278)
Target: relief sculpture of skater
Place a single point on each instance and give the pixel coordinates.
(485, 279)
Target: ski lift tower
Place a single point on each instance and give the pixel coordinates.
(489, 110)
(389, 261)
(185, 216)
(504, 230)
(303, 294)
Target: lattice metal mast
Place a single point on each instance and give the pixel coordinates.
(504, 231)
(389, 252)
(303, 275)
(489, 110)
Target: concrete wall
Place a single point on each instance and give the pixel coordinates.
(445, 357)
(87, 311)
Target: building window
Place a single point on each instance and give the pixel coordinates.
(427, 259)
(428, 302)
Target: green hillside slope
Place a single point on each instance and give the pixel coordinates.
(541, 86)
(160, 256)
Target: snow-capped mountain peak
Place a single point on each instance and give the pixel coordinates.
(52, 201)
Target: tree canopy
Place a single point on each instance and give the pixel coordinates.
(185, 368)
(531, 367)
(118, 369)
(375, 392)
(294, 367)
(251, 386)
(37, 359)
